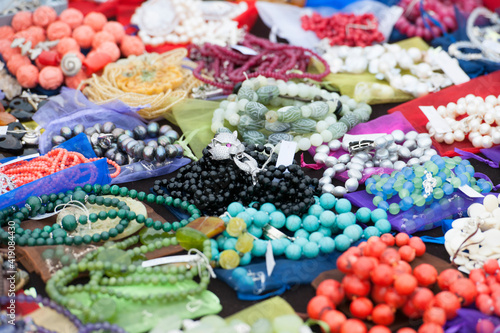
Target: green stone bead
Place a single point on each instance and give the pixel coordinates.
(160, 200)
(289, 114)
(103, 215)
(169, 200)
(87, 239)
(99, 200)
(79, 196)
(115, 189)
(149, 222)
(476, 188)
(82, 219)
(87, 188)
(34, 203)
(177, 202)
(455, 181)
(167, 227)
(96, 238)
(158, 225)
(50, 207)
(107, 202)
(419, 171)
(419, 200)
(97, 188)
(69, 223)
(112, 213)
(106, 189)
(113, 232)
(190, 238)
(104, 235)
(304, 126)
(68, 241)
(377, 200)
(403, 193)
(394, 208)
(457, 159)
(131, 216)
(59, 233)
(256, 110)
(115, 202)
(133, 194)
(254, 137)
(120, 228)
(93, 217)
(122, 213)
(53, 197)
(338, 130)
(141, 196)
(78, 240)
(437, 193)
(40, 242)
(59, 240)
(31, 242)
(150, 198)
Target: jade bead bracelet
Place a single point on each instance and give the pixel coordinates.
(105, 274)
(58, 234)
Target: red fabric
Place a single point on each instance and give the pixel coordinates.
(108, 8)
(481, 86)
(491, 4)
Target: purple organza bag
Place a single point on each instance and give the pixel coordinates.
(493, 154)
(467, 319)
(419, 218)
(384, 124)
(71, 107)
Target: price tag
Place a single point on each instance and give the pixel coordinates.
(3, 130)
(451, 68)
(470, 192)
(244, 50)
(439, 124)
(270, 262)
(286, 154)
(358, 137)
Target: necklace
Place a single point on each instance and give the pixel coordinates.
(308, 124)
(105, 262)
(126, 146)
(224, 67)
(65, 312)
(478, 119)
(58, 234)
(389, 151)
(328, 225)
(232, 170)
(58, 159)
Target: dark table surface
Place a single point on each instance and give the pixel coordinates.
(299, 295)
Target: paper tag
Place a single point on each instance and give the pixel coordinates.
(170, 260)
(244, 50)
(439, 124)
(492, 45)
(359, 137)
(451, 68)
(286, 154)
(3, 130)
(270, 262)
(470, 192)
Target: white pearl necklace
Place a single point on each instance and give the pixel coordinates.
(481, 121)
(386, 61)
(391, 152)
(188, 21)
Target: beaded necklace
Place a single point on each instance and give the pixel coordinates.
(103, 276)
(223, 67)
(58, 234)
(58, 159)
(421, 185)
(313, 233)
(309, 121)
(87, 328)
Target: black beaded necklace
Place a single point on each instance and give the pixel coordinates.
(212, 184)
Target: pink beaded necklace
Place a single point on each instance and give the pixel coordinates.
(223, 67)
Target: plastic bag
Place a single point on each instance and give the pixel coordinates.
(71, 107)
(419, 218)
(481, 86)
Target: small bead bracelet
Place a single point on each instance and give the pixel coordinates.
(59, 234)
(312, 233)
(421, 185)
(91, 327)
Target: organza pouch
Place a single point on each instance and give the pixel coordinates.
(467, 319)
(384, 124)
(481, 86)
(419, 218)
(95, 172)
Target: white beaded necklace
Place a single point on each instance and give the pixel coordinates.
(386, 61)
(481, 121)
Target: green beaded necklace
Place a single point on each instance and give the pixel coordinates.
(58, 234)
(112, 265)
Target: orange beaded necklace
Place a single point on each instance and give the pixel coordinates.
(54, 161)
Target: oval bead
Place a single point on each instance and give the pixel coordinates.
(338, 130)
(108, 127)
(248, 124)
(256, 110)
(153, 129)
(304, 126)
(276, 138)
(350, 119)
(277, 126)
(267, 93)
(254, 137)
(318, 110)
(289, 114)
(248, 94)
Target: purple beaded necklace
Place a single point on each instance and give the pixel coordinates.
(226, 67)
(87, 328)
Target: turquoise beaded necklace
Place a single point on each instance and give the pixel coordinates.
(320, 231)
(58, 234)
(421, 185)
